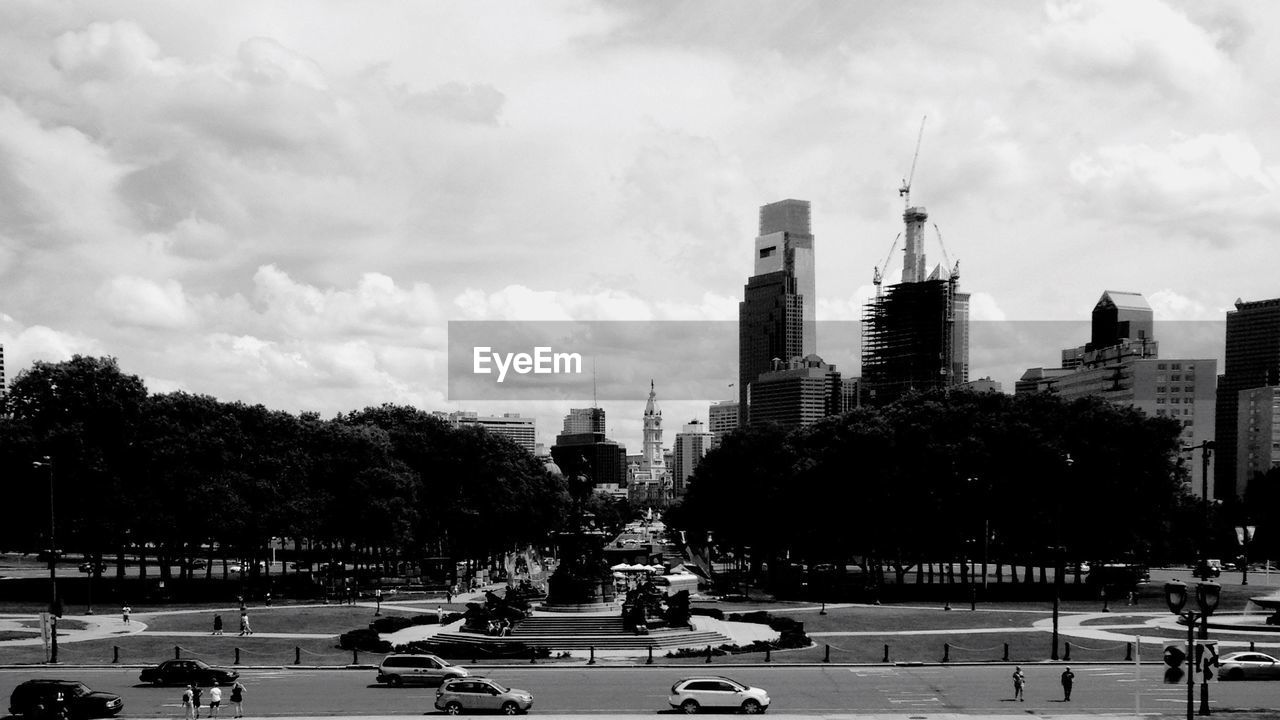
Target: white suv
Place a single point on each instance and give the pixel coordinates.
(692, 694)
(417, 669)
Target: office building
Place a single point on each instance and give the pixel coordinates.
(593, 455)
(1121, 364)
(1258, 433)
(722, 418)
(776, 318)
(1252, 361)
(797, 393)
(522, 430)
(692, 442)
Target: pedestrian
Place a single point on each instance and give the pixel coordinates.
(268, 599)
(244, 623)
(124, 611)
(217, 624)
(237, 699)
(215, 700)
(449, 592)
(439, 615)
(1019, 682)
(187, 708)
(1068, 678)
(195, 699)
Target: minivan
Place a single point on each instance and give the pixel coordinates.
(417, 669)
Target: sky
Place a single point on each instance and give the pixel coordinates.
(286, 203)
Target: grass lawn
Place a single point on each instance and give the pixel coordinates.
(335, 619)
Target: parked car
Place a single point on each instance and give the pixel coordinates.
(89, 566)
(1248, 666)
(1123, 576)
(417, 669)
(186, 672)
(196, 564)
(458, 695)
(695, 693)
(33, 696)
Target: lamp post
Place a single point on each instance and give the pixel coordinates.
(46, 462)
(1206, 452)
(1057, 561)
(1207, 595)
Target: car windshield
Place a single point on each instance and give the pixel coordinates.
(201, 664)
(499, 687)
(79, 689)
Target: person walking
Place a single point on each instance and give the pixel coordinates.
(217, 624)
(187, 708)
(1019, 682)
(237, 699)
(195, 699)
(215, 700)
(244, 623)
(439, 615)
(1068, 678)
(124, 611)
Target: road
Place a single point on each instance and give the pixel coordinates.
(1106, 689)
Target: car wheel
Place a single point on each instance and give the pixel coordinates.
(689, 707)
(397, 681)
(510, 708)
(1234, 674)
(752, 707)
(453, 708)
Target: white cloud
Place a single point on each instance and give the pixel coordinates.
(138, 301)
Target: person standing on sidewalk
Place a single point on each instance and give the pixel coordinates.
(188, 696)
(217, 624)
(215, 700)
(124, 612)
(1019, 682)
(237, 699)
(1068, 678)
(195, 699)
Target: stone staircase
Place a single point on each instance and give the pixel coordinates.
(582, 632)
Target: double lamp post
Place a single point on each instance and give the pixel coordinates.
(1207, 594)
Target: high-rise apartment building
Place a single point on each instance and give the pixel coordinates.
(1121, 364)
(584, 420)
(797, 393)
(1257, 433)
(777, 317)
(722, 418)
(692, 443)
(1252, 361)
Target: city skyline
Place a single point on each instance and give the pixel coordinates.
(233, 202)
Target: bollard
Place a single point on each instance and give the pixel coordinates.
(650, 660)
(768, 657)
(177, 653)
(115, 653)
(823, 611)
(355, 656)
(592, 661)
(826, 656)
(946, 652)
(1006, 652)
(1128, 652)
(708, 654)
(1251, 646)
(237, 662)
(297, 655)
(1066, 655)
(886, 653)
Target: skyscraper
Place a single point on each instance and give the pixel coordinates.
(777, 318)
(797, 393)
(1252, 361)
(584, 420)
(692, 442)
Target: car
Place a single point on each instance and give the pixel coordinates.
(417, 669)
(300, 565)
(1248, 666)
(458, 695)
(1208, 568)
(196, 564)
(186, 672)
(29, 698)
(89, 566)
(695, 693)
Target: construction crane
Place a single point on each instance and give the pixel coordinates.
(905, 190)
(945, 258)
(878, 275)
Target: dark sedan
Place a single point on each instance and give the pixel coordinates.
(35, 698)
(187, 672)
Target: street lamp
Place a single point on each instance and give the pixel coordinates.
(1206, 452)
(1057, 561)
(46, 462)
(1207, 595)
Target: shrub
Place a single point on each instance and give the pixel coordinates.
(390, 624)
(716, 613)
(363, 639)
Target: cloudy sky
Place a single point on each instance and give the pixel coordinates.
(286, 202)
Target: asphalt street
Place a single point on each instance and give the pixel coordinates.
(809, 691)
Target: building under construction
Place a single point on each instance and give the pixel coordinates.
(915, 335)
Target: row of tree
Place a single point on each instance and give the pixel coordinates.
(169, 474)
(952, 477)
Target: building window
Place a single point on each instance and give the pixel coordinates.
(1176, 388)
(1175, 378)
(1160, 378)
(1160, 401)
(1161, 388)
(1161, 366)
(1175, 366)
(1160, 412)
(1176, 400)
(1189, 388)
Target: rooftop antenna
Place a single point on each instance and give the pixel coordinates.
(905, 190)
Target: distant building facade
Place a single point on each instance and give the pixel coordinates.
(650, 482)
(1252, 360)
(777, 318)
(798, 393)
(1121, 364)
(1257, 433)
(692, 443)
(722, 418)
(522, 430)
(594, 455)
(584, 420)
